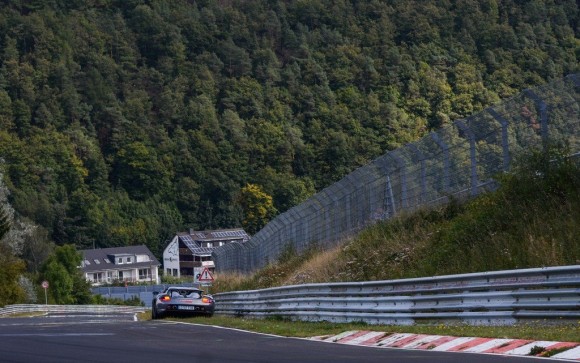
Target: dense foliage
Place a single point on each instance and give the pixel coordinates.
(124, 121)
(67, 282)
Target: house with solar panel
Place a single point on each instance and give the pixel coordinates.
(188, 253)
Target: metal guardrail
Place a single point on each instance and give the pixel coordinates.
(35, 308)
(460, 159)
(143, 292)
(488, 298)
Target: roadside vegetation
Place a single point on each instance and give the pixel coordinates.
(530, 221)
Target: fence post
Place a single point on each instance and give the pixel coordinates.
(446, 160)
(543, 114)
(575, 78)
(423, 182)
(306, 233)
(348, 208)
(472, 155)
(504, 137)
(403, 175)
(389, 199)
(327, 225)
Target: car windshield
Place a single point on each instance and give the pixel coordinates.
(193, 294)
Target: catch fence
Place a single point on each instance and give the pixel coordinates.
(459, 160)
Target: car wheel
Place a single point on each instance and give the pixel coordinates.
(154, 314)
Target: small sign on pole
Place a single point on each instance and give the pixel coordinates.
(45, 287)
(205, 276)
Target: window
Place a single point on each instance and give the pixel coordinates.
(192, 294)
(107, 260)
(174, 272)
(120, 260)
(97, 261)
(87, 263)
(144, 273)
(128, 259)
(97, 277)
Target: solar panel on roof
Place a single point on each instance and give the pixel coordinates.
(229, 234)
(190, 244)
(186, 238)
(202, 251)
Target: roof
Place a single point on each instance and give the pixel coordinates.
(217, 235)
(193, 239)
(105, 258)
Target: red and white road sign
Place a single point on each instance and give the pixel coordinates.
(205, 276)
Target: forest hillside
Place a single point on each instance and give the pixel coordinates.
(125, 121)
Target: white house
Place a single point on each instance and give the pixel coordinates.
(129, 264)
(190, 252)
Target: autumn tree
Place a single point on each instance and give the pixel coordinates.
(257, 208)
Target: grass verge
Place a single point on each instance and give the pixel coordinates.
(569, 332)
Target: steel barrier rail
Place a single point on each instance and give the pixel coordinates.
(36, 308)
(142, 292)
(489, 298)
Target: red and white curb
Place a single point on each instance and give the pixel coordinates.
(567, 351)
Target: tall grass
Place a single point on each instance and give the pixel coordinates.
(532, 220)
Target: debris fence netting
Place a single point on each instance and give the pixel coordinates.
(459, 160)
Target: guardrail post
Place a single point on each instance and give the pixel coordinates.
(472, 155)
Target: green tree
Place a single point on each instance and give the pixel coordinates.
(11, 269)
(140, 172)
(67, 284)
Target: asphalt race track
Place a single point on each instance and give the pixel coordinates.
(120, 338)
